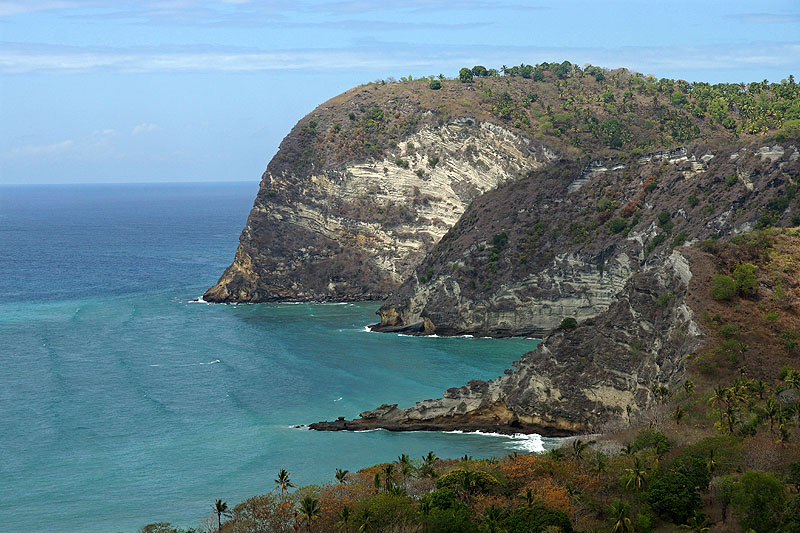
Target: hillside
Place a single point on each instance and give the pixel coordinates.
(647, 229)
(364, 186)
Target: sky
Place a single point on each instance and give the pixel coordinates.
(98, 91)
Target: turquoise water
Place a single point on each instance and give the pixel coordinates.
(122, 402)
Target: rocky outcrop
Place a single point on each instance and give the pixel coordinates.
(356, 231)
(564, 241)
(607, 370)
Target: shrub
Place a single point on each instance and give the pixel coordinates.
(693, 201)
(465, 75)
(728, 330)
(679, 239)
(745, 276)
(616, 225)
(568, 323)
(730, 180)
(402, 163)
(724, 287)
(433, 161)
(648, 438)
(537, 518)
(604, 204)
(663, 218)
(664, 299)
(435, 85)
(655, 241)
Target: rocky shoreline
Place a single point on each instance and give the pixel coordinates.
(484, 423)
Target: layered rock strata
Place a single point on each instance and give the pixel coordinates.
(356, 231)
(607, 370)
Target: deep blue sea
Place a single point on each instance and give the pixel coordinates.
(124, 403)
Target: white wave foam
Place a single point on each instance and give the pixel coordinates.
(529, 443)
(193, 364)
(337, 399)
(519, 441)
(199, 300)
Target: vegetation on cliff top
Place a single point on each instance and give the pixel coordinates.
(589, 110)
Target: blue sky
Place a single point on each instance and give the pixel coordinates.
(195, 90)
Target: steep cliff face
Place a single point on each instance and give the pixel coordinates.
(610, 249)
(356, 230)
(607, 370)
(564, 241)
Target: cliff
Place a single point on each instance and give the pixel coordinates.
(504, 206)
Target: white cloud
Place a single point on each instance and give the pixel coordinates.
(32, 150)
(144, 127)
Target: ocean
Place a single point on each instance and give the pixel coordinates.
(125, 402)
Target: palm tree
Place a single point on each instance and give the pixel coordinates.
(699, 523)
(729, 414)
(427, 465)
(785, 435)
(628, 449)
(309, 510)
(679, 413)
(344, 518)
(365, 520)
(578, 447)
(341, 475)
(529, 497)
(600, 464)
(772, 410)
(793, 379)
(283, 482)
(388, 472)
(618, 513)
(220, 509)
(688, 386)
(636, 476)
(494, 517)
(758, 387)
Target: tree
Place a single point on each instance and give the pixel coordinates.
(679, 413)
(673, 495)
(745, 276)
(466, 482)
(529, 497)
(568, 323)
(636, 476)
(309, 510)
(341, 475)
(283, 482)
(344, 518)
(220, 509)
(493, 518)
(724, 287)
(465, 75)
(619, 515)
(479, 71)
(578, 447)
(758, 499)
